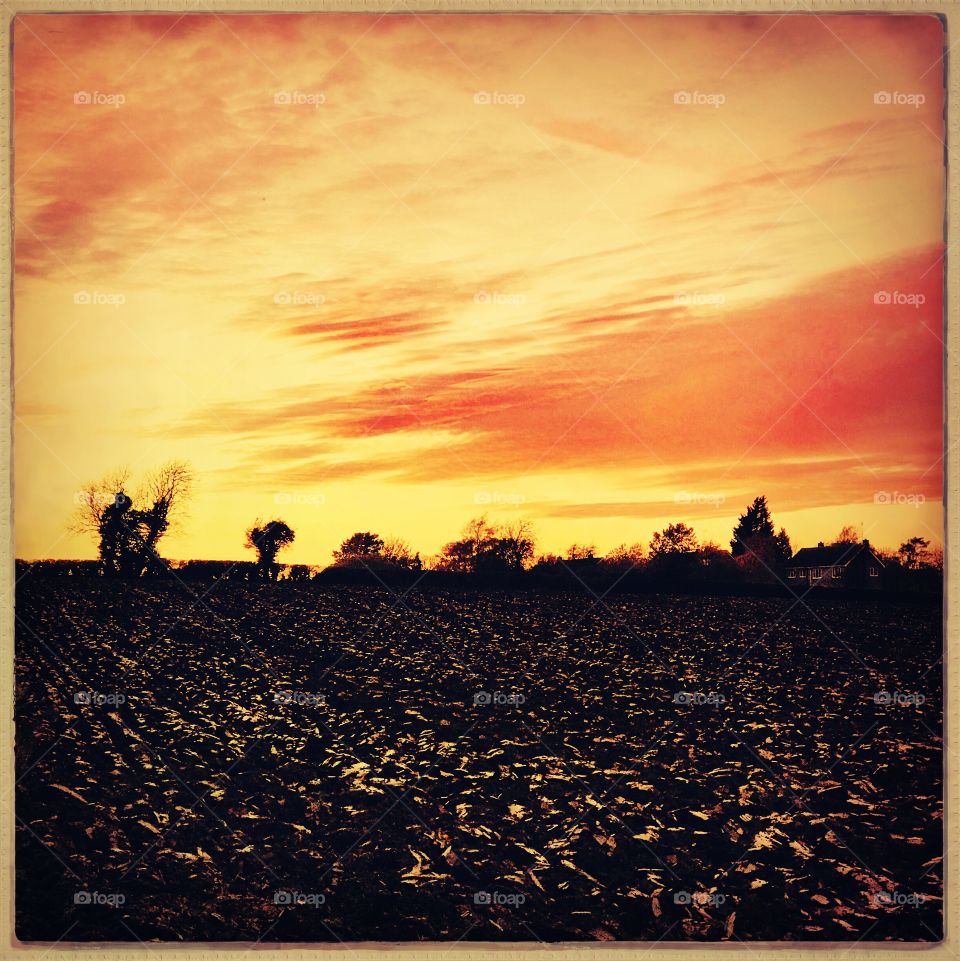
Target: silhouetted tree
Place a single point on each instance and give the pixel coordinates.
(753, 523)
(363, 544)
(119, 537)
(847, 535)
(396, 552)
(763, 554)
(675, 539)
(478, 531)
(268, 540)
(783, 549)
(463, 556)
(516, 544)
(765, 558)
(914, 554)
(580, 552)
(128, 535)
(673, 552)
(623, 558)
(458, 557)
(368, 550)
(488, 549)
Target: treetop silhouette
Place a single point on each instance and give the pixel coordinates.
(268, 540)
(129, 535)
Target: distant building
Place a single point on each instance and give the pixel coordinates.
(853, 566)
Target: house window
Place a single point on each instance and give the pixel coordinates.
(838, 572)
(816, 572)
(791, 573)
(874, 572)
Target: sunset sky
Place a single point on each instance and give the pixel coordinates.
(386, 272)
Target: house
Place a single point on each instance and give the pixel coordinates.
(851, 566)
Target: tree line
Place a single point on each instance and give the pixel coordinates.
(130, 524)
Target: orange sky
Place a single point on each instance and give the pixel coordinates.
(386, 272)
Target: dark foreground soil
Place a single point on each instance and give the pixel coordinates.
(299, 764)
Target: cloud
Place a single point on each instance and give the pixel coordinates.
(826, 371)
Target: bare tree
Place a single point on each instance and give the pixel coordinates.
(396, 551)
(517, 542)
(486, 548)
(478, 532)
(847, 535)
(168, 490)
(129, 529)
(625, 558)
(94, 499)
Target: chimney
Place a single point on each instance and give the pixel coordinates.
(820, 544)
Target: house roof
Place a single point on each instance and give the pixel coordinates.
(835, 555)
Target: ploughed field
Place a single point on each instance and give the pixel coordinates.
(304, 764)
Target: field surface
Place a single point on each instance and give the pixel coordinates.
(297, 764)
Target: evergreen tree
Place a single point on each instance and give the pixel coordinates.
(754, 522)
